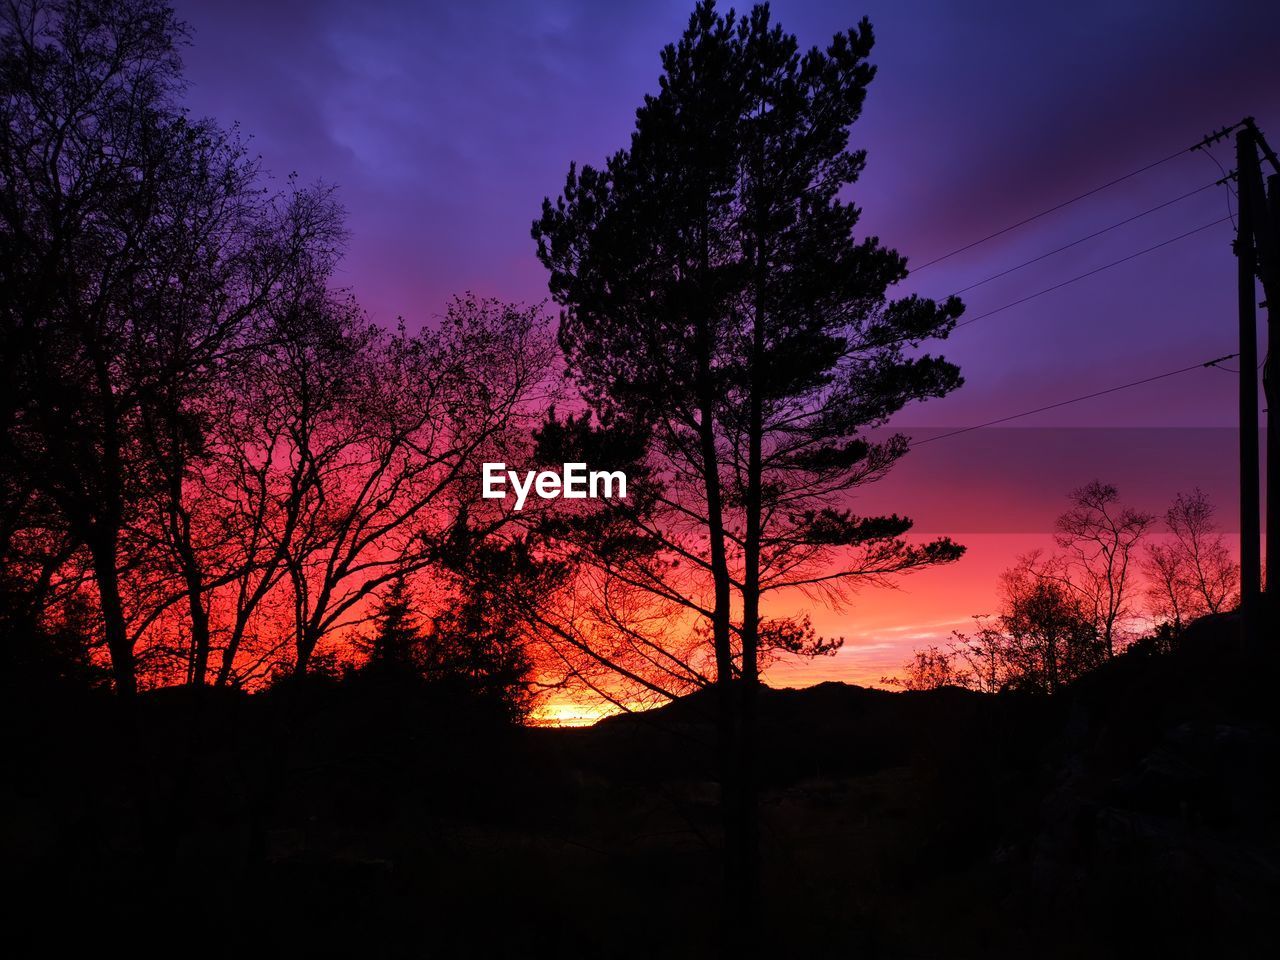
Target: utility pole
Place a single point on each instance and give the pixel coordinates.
(1258, 249)
(1266, 232)
(1250, 534)
(1269, 387)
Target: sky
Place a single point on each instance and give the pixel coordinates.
(444, 125)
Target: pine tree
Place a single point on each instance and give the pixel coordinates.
(397, 643)
(713, 289)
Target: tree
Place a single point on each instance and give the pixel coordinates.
(136, 249)
(1048, 634)
(397, 641)
(1100, 539)
(713, 291)
(396, 462)
(1170, 594)
(255, 260)
(475, 644)
(1043, 638)
(270, 459)
(481, 638)
(988, 668)
(931, 669)
(1193, 574)
(84, 145)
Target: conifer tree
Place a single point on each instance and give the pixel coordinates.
(714, 289)
(397, 642)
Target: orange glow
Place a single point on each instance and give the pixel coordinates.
(881, 627)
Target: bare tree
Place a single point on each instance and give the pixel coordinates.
(931, 669)
(259, 478)
(988, 666)
(397, 461)
(256, 260)
(136, 248)
(86, 148)
(1193, 574)
(1100, 538)
(1170, 595)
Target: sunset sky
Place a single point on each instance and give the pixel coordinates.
(444, 125)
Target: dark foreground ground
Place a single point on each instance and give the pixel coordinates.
(1134, 816)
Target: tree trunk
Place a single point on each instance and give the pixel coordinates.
(306, 646)
(103, 549)
(748, 829)
(179, 521)
(229, 655)
(726, 706)
(199, 630)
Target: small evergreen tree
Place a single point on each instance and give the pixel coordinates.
(480, 651)
(396, 647)
(473, 648)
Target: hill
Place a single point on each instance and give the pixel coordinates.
(1133, 814)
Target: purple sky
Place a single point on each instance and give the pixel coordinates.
(444, 125)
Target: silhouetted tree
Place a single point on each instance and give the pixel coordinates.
(1100, 537)
(476, 642)
(271, 456)
(1050, 636)
(84, 146)
(984, 654)
(713, 290)
(135, 249)
(1193, 574)
(931, 669)
(484, 655)
(397, 639)
(1043, 638)
(256, 261)
(1169, 591)
(399, 460)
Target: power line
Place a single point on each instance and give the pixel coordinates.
(1088, 396)
(1055, 207)
(1261, 363)
(1091, 236)
(1226, 182)
(1090, 273)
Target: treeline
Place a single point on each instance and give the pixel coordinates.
(1119, 577)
